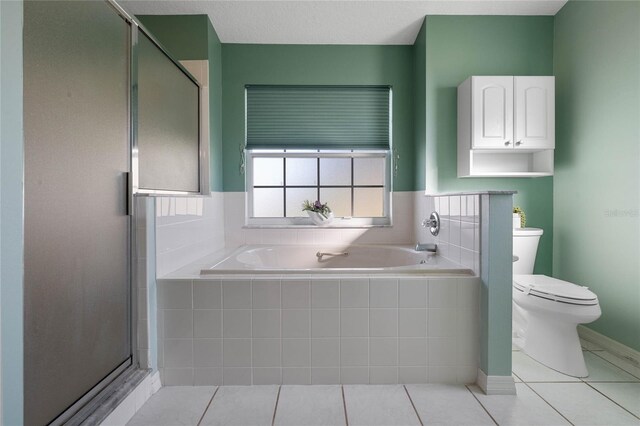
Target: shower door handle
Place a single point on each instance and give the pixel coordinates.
(128, 202)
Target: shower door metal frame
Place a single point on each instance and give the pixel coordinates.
(89, 402)
(95, 397)
(203, 146)
(86, 404)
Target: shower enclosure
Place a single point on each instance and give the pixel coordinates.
(87, 85)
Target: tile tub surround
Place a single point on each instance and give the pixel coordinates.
(459, 237)
(318, 330)
(401, 232)
(187, 229)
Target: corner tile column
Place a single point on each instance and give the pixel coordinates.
(496, 254)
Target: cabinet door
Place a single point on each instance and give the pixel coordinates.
(492, 112)
(534, 112)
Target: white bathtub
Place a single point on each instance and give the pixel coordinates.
(360, 259)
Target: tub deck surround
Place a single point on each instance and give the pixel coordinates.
(293, 329)
(336, 259)
(476, 229)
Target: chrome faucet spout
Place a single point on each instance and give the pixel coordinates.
(321, 254)
(428, 247)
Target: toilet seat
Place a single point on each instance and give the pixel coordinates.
(554, 289)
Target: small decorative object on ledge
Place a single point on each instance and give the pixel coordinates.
(519, 218)
(319, 213)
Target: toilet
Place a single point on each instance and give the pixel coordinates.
(547, 311)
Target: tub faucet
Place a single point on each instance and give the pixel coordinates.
(428, 247)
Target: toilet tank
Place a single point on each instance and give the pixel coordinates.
(525, 246)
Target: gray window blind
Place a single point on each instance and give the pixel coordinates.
(318, 117)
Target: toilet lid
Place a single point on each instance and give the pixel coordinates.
(554, 289)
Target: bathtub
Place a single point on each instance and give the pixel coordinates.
(353, 259)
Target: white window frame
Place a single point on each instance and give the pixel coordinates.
(338, 222)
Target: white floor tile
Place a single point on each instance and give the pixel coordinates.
(625, 394)
(530, 370)
(525, 408)
(242, 405)
(447, 405)
(379, 405)
(174, 405)
(310, 405)
(620, 362)
(582, 405)
(601, 370)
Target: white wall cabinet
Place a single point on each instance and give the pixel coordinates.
(506, 126)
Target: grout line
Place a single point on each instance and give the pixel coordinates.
(193, 335)
(551, 381)
(344, 406)
(208, 405)
(310, 336)
(611, 399)
(548, 403)
(617, 366)
(413, 405)
(368, 337)
(514, 373)
(340, 319)
(482, 405)
(275, 409)
(221, 330)
(397, 336)
(251, 370)
(280, 335)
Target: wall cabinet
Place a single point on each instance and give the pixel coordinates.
(506, 126)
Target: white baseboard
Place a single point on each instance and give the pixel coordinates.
(496, 385)
(134, 401)
(610, 345)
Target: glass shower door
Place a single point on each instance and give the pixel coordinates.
(77, 321)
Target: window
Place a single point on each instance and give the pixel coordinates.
(327, 143)
(355, 184)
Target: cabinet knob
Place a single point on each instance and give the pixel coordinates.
(507, 143)
(518, 143)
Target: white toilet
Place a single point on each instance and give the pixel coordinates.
(547, 310)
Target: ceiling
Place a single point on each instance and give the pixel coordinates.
(331, 21)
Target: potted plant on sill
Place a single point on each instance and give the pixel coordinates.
(319, 213)
(519, 218)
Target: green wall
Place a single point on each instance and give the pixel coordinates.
(420, 106)
(456, 48)
(597, 178)
(316, 64)
(192, 37)
(184, 36)
(215, 107)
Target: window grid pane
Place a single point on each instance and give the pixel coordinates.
(334, 184)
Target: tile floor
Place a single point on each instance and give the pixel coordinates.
(609, 396)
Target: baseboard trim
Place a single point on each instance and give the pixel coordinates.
(610, 345)
(496, 385)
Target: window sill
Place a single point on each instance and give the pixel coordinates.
(306, 223)
(332, 226)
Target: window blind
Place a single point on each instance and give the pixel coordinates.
(307, 117)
